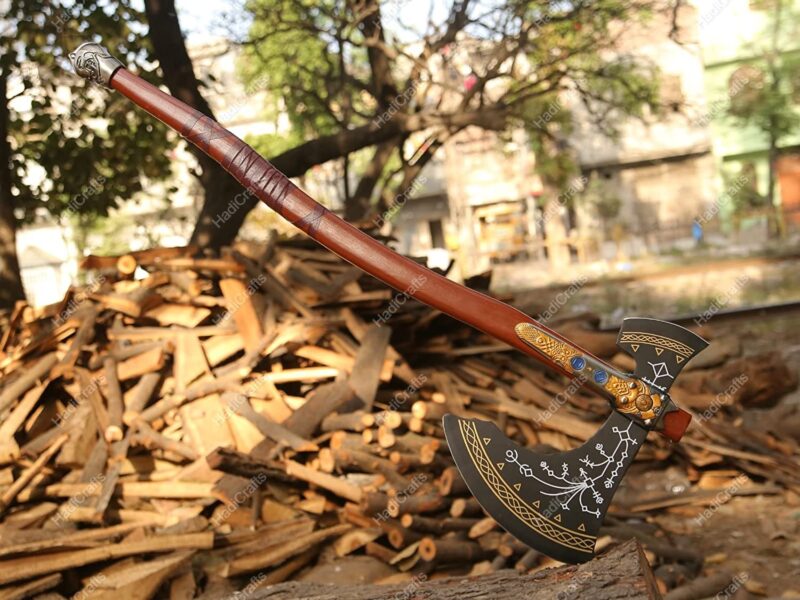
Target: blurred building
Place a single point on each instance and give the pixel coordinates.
(659, 174)
(737, 36)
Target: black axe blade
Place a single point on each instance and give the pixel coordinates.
(552, 502)
(556, 503)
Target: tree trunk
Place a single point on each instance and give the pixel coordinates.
(621, 573)
(226, 204)
(10, 279)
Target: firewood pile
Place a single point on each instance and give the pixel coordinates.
(186, 426)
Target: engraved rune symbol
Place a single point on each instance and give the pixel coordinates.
(659, 370)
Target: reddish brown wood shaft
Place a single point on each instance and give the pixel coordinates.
(261, 179)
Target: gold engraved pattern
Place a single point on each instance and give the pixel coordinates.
(509, 498)
(625, 396)
(546, 344)
(659, 341)
(625, 390)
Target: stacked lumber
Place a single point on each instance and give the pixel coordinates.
(186, 426)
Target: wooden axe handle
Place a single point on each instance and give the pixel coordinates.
(268, 184)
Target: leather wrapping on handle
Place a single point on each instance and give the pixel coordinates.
(272, 187)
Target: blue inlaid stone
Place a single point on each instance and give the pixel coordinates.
(600, 377)
(577, 362)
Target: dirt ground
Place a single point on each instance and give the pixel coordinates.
(756, 535)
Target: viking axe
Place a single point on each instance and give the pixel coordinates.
(552, 502)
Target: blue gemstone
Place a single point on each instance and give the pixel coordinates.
(577, 363)
(600, 377)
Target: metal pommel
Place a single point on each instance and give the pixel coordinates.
(93, 62)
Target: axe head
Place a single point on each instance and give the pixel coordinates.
(556, 503)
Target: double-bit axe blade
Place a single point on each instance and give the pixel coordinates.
(556, 503)
(552, 502)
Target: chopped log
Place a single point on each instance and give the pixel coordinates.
(450, 551)
(621, 573)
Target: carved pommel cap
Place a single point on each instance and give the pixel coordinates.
(93, 62)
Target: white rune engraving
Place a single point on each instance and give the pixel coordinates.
(659, 370)
(565, 487)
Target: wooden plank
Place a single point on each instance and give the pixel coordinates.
(239, 302)
(17, 569)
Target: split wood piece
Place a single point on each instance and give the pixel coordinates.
(348, 459)
(138, 581)
(29, 378)
(141, 364)
(90, 390)
(358, 329)
(116, 333)
(454, 401)
(80, 507)
(9, 449)
(288, 568)
(113, 431)
(183, 587)
(140, 396)
(557, 421)
(117, 453)
(195, 391)
(240, 464)
(337, 485)
(436, 525)
(83, 336)
(404, 504)
(120, 353)
(239, 302)
(277, 553)
(70, 539)
(146, 437)
(355, 540)
(275, 289)
(355, 421)
(10, 494)
(621, 573)
(239, 404)
(133, 304)
(369, 363)
(323, 401)
(17, 569)
(32, 589)
(127, 489)
(190, 361)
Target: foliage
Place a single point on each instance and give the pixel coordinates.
(75, 148)
(494, 65)
(768, 88)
